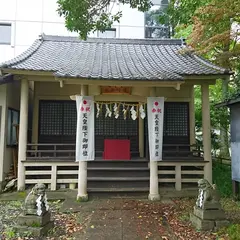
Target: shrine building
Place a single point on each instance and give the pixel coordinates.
(119, 76)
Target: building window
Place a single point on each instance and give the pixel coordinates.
(5, 33)
(13, 120)
(110, 33)
(153, 27)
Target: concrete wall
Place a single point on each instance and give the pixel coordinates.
(53, 91)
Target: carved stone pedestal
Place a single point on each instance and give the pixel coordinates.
(208, 213)
(36, 226)
(36, 217)
(208, 219)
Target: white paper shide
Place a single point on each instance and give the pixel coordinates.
(155, 108)
(85, 144)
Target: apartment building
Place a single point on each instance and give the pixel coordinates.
(22, 21)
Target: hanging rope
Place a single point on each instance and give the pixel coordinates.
(113, 108)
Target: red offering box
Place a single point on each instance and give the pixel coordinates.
(117, 149)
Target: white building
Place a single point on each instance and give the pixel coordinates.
(21, 21)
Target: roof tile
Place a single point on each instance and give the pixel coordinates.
(123, 59)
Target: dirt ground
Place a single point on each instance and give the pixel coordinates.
(114, 219)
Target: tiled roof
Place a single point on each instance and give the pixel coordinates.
(122, 59)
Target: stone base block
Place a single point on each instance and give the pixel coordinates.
(154, 197)
(34, 221)
(209, 214)
(82, 198)
(221, 223)
(212, 206)
(201, 224)
(34, 231)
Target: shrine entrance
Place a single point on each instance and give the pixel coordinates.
(58, 121)
(111, 128)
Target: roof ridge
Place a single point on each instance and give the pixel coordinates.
(159, 41)
(24, 55)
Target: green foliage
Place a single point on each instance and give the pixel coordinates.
(222, 178)
(181, 11)
(85, 16)
(233, 231)
(36, 224)
(9, 233)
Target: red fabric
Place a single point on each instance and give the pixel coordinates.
(117, 149)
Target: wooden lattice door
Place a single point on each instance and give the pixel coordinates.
(112, 128)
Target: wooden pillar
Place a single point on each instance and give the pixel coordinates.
(141, 136)
(3, 132)
(82, 170)
(192, 118)
(154, 189)
(23, 133)
(206, 125)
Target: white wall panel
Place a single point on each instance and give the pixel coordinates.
(6, 53)
(50, 11)
(131, 32)
(131, 17)
(7, 9)
(55, 29)
(29, 10)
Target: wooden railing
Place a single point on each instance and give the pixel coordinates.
(56, 151)
(181, 173)
(51, 173)
(54, 174)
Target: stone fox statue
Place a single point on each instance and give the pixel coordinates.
(207, 194)
(36, 201)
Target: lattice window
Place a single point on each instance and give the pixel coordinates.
(69, 118)
(51, 118)
(99, 123)
(176, 120)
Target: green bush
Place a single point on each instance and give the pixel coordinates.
(222, 178)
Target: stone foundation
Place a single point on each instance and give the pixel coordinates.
(37, 226)
(210, 219)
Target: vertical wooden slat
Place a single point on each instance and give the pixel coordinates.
(178, 177)
(55, 150)
(54, 178)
